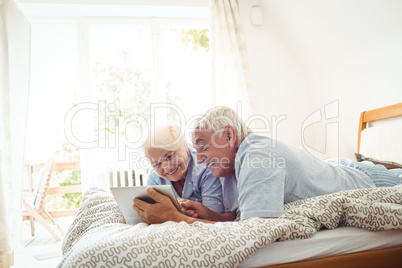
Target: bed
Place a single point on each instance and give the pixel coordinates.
(351, 228)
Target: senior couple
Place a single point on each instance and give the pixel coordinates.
(233, 172)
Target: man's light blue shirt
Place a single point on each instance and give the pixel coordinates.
(200, 184)
(271, 173)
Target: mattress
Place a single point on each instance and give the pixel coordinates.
(326, 243)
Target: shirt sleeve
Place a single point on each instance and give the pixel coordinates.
(211, 190)
(153, 179)
(261, 185)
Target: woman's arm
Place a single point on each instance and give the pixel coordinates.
(210, 190)
(153, 179)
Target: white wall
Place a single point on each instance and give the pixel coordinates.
(310, 53)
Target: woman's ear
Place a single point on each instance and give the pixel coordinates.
(185, 145)
(231, 135)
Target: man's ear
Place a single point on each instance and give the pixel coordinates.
(230, 135)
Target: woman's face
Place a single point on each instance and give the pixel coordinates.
(170, 165)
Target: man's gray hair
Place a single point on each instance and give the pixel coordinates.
(217, 118)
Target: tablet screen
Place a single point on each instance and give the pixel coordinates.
(124, 197)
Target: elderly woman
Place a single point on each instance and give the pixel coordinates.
(174, 163)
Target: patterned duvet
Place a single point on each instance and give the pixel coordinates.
(99, 237)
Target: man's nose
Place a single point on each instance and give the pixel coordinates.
(200, 158)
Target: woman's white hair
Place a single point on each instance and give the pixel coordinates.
(166, 137)
(217, 118)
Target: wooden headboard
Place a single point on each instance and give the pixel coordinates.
(375, 115)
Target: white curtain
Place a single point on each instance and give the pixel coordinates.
(230, 83)
(14, 89)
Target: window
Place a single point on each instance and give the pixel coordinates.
(135, 63)
(139, 62)
(115, 68)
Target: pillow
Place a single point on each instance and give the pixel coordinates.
(397, 172)
(387, 164)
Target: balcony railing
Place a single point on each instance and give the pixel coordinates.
(59, 166)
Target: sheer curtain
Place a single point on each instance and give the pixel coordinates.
(230, 84)
(14, 89)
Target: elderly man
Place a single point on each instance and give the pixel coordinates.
(261, 173)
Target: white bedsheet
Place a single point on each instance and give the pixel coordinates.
(326, 243)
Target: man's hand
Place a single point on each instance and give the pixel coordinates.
(163, 210)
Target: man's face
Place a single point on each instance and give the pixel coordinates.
(214, 152)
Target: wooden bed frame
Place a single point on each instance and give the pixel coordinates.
(390, 257)
(376, 115)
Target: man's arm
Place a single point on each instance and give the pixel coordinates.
(261, 184)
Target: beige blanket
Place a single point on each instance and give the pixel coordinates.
(99, 236)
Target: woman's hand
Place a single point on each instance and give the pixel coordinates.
(195, 209)
(186, 208)
(198, 210)
(163, 210)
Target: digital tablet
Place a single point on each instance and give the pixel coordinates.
(124, 197)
